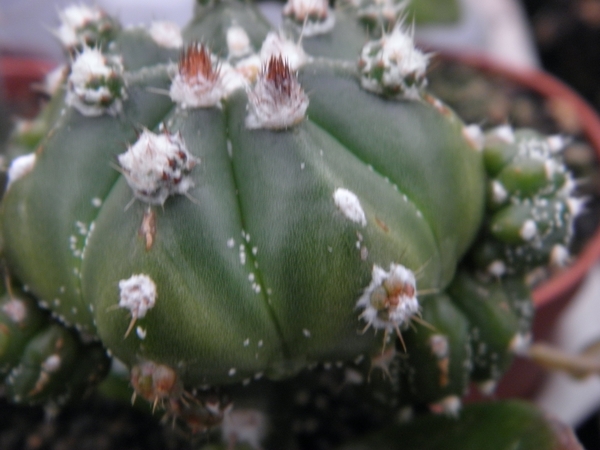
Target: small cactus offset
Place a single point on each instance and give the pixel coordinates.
(230, 213)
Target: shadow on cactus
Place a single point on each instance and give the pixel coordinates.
(230, 216)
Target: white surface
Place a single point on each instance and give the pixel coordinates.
(497, 28)
(568, 399)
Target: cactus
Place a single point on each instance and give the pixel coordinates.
(234, 220)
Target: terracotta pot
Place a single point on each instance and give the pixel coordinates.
(18, 77)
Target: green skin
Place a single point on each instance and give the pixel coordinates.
(283, 296)
(422, 193)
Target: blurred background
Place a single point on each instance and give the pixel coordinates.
(559, 36)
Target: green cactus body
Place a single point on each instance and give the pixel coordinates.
(263, 211)
(40, 359)
(278, 238)
(499, 314)
(437, 368)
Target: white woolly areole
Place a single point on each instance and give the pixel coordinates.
(528, 230)
(166, 34)
(137, 294)
(15, 310)
(198, 83)
(497, 268)
(556, 143)
(499, 192)
(474, 134)
(238, 42)
(505, 133)
(88, 89)
(403, 304)
(349, 205)
(450, 406)
(19, 167)
(277, 101)
(559, 256)
(73, 18)
(158, 165)
(393, 65)
(275, 44)
(314, 16)
(244, 426)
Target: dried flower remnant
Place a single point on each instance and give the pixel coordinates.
(155, 382)
(157, 166)
(390, 301)
(197, 83)
(277, 100)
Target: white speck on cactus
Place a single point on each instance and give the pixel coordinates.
(198, 82)
(488, 387)
(474, 135)
(238, 42)
(15, 310)
(95, 85)
(232, 371)
(166, 34)
(499, 192)
(528, 230)
(276, 44)
(96, 202)
(19, 167)
(349, 205)
(141, 333)
(497, 268)
(277, 101)
(138, 295)
(247, 426)
(505, 133)
(314, 16)
(575, 205)
(450, 406)
(230, 243)
(439, 346)
(73, 19)
(556, 143)
(306, 333)
(559, 256)
(158, 165)
(51, 363)
(54, 79)
(246, 342)
(520, 343)
(390, 301)
(393, 65)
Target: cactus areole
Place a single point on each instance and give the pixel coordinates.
(228, 217)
